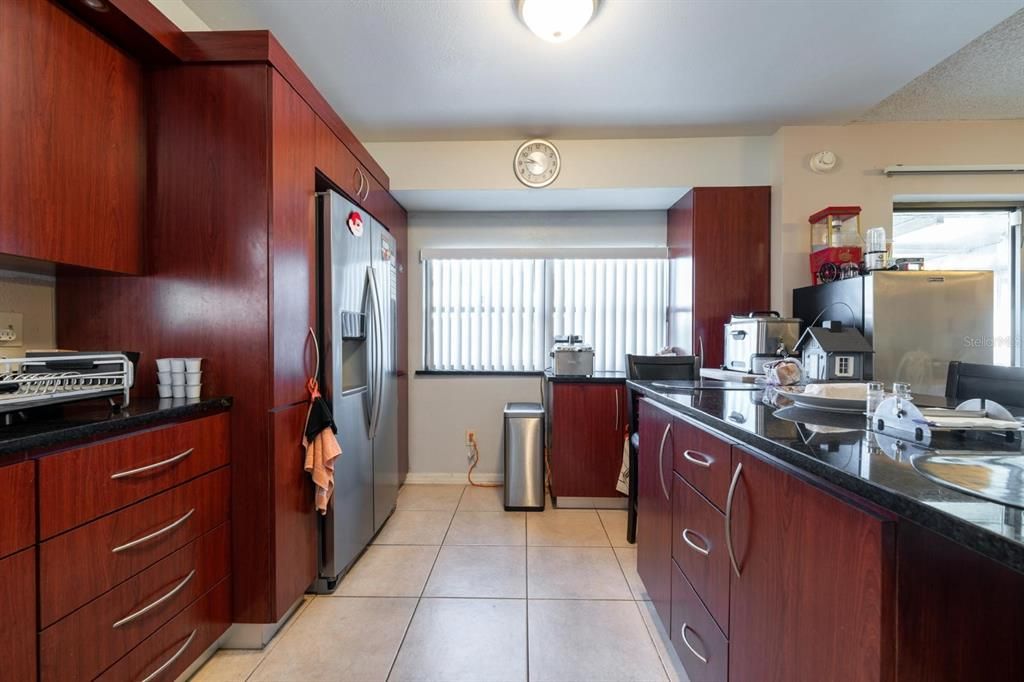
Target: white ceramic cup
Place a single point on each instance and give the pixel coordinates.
(193, 378)
(192, 390)
(164, 377)
(177, 364)
(193, 364)
(177, 378)
(178, 391)
(163, 364)
(164, 390)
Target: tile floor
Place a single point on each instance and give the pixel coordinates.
(455, 588)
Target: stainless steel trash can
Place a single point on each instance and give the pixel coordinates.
(524, 457)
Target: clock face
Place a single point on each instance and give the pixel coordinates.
(537, 163)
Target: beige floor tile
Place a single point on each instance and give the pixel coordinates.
(389, 571)
(627, 560)
(590, 640)
(487, 528)
(348, 638)
(614, 522)
(465, 639)
(465, 571)
(414, 528)
(483, 499)
(673, 666)
(566, 528)
(229, 665)
(429, 497)
(574, 573)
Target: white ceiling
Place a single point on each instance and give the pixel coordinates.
(469, 69)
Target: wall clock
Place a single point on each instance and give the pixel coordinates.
(537, 163)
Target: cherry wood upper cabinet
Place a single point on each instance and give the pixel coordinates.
(711, 231)
(654, 508)
(72, 135)
(815, 593)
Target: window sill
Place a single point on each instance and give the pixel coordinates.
(472, 373)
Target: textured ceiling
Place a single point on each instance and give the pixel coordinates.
(469, 69)
(984, 80)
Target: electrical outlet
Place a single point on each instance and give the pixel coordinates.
(470, 437)
(11, 326)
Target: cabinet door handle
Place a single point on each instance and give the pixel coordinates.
(170, 661)
(616, 397)
(728, 519)
(661, 457)
(155, 534)
(358, 177)
(156, 465)
(146, 609)
(682, 631)
(705, 462)
(705, 550)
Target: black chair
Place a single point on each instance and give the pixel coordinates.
(1005, 385)
(650, 368)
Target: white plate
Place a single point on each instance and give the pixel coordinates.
(821, 402)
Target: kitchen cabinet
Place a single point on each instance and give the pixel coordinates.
(72, 131)
(699, 548)
(654, 507)
(588, 423)
(711, 231)
(18, 616)
(813, 585)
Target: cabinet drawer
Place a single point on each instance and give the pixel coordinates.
(18, 616)
(702, 648)
(83, 644)
(175, 646)
(703, 460)
(79, 565)
(698, 546)
(79, 485)
(17, 507)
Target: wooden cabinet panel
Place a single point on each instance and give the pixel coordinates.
(295, 530)
(703, 459)
(86, 642)
(698, 546)
(293, 236)
(815, 592)
(702, 648)
(336, 162)
(199, 505)
(72, 135)
(654, 507)
(18, 616)
(79, 485)
(588, 422)
(17, 507)
(174, 647)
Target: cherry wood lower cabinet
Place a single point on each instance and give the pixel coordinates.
(588, 422)
(18, 616)
(654, 508)
(17, 507)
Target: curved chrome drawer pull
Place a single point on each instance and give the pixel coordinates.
(170, 661)
(661, 456)
(146, 609)
(682, 631)
(155, 534)
(705, 550)
(156, 465)
(728, 519)
(688, 455)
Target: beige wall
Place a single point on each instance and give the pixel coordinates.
(863, 150)
(32, 296)
(181, 14)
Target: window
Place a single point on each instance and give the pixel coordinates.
(843, 366)
(502, 314)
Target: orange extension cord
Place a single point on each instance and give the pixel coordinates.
(473, 462)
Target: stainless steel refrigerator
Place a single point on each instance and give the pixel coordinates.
(358, 309)
(917, 322)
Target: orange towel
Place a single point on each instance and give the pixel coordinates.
(320, 456)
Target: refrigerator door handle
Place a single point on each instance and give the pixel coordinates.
(378, 347)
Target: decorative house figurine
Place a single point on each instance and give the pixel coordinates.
(833, 353)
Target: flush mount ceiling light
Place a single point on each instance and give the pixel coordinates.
(97, 5)
(556, 21)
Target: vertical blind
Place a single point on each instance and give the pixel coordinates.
(502, 314)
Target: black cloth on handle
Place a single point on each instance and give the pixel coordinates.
(320, 418)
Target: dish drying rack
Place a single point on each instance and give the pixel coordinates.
(41, 380)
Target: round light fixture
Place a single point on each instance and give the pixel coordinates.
(556, 21)
(96, 5)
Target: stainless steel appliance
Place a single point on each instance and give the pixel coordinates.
(49, 378)
(571, 357)
(358, 312)
(753, 339)
(917, 322)
(524, 456)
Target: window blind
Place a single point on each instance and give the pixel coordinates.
(502, 314)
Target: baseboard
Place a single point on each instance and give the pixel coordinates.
(450, 479)
(256, 635)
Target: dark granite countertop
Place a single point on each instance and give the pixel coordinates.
(600, 377)
(57, 427)
(841, 450)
